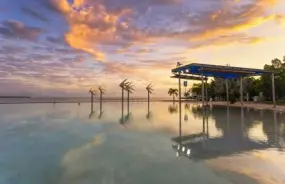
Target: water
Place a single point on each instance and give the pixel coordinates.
(65, 144)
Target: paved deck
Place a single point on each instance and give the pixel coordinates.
(252, 105)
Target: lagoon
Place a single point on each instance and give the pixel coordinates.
(66, 144)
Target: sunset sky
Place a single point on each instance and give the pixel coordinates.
(63, 47)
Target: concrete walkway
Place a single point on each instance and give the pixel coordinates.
(251, 105)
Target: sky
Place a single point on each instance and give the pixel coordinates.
(64, 47)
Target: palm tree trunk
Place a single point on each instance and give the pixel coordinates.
(128, 102)
(148, 101)
(173, 98)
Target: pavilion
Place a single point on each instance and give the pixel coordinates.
(198, 71)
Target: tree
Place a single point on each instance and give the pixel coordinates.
(187, 94)
(196, 88)
(219, 86)
(173, 92)
(278, 67)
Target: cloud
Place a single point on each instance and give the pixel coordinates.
(166, 1)
(46, 70)
(138, 70)
(96, 23)
(145, 50)
(233, 18)
(33, 13)
(11, 49)
(57, 6)
(134, 37)
(5, 32)
(55, 40)
(40, 57)
(280, 19)
(16, 29)
(223, 40)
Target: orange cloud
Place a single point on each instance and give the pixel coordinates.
(280, 19)
(95, 25)
(61, 5)
(229, 39)
(90, 26)
(229, 20)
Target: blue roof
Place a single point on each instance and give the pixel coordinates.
(218, 70)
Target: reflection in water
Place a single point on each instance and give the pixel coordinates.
(125, 118)
(100, 114)
(149, 115)
(235, 138)
(172, 109)
(185, 117)
(91, 115)
(60, 147)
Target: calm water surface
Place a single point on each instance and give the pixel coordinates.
(66, 144)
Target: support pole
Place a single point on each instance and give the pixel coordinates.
(180, 137)
(242, 121)
(275, 128)
(122, 104)
(241, 91)
(207, 120)
(228, 118)
(273, 90)
(227, 91)
(203, 91)
(180, 113)
(204, 132)
(206, 88)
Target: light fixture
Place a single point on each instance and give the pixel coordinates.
(188, 152)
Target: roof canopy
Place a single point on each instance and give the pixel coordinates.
(188, 77)
(218, 71)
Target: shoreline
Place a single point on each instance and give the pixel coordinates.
(38, 101)
(252, 105)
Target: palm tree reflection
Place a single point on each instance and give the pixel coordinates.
(91, 115)
(173, 109)
(125, 119)
(149, 115)
(100, 115)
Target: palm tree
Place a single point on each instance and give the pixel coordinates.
(173, 92)
(187, 94)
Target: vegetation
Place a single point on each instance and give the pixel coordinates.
(172, 109)
(252, 85)
(173, 92)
